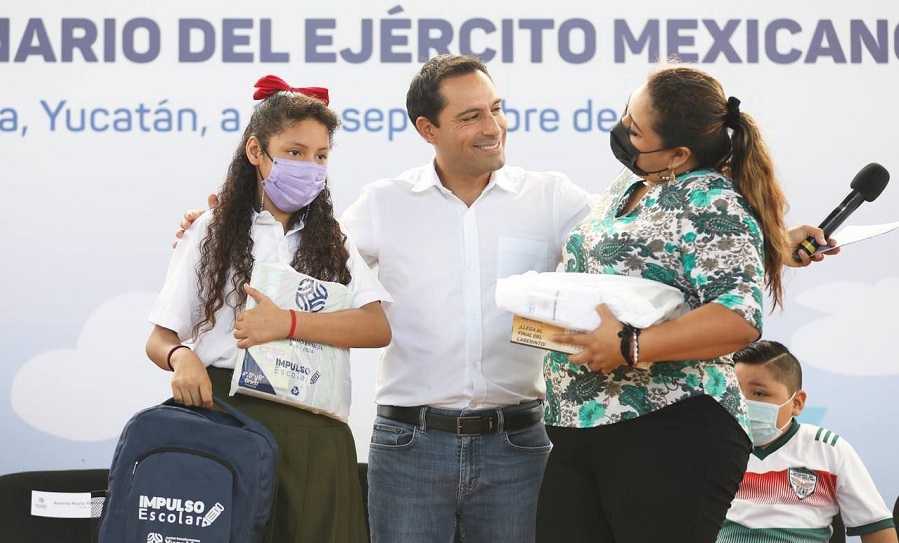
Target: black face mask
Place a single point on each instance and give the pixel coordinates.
(625, 151)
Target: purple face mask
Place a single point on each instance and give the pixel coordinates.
(293, 184)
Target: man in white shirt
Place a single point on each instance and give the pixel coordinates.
(459, 441)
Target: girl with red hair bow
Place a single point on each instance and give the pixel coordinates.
(274, 207)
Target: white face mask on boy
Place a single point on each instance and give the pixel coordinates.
(763, 421)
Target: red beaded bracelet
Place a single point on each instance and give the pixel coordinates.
(168, 358)
(293, 323)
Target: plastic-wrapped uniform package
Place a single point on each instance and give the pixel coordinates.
(551, 303)
(569, 300)
(295, 372)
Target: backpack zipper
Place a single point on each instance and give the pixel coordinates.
(183, 450)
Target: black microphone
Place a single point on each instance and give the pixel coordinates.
(866, 186)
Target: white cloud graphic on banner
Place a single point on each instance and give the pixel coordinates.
(853, 338)
(89, 393)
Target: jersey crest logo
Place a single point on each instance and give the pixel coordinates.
(803, 481)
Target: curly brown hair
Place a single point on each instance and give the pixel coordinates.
(228, 246)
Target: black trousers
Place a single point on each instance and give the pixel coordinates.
(668, 476)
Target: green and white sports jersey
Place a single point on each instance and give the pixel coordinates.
(794, 487)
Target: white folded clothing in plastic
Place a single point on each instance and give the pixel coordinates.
(569, 300)
(307, 375)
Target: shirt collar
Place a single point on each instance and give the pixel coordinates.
(266, 218)
(430, 179)
(502, 180)
(762, 453)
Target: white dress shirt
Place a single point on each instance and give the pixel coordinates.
(178, 305)
(440, 260)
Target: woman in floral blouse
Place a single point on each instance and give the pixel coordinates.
(656, 455)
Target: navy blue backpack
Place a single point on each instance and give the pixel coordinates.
(190, 474)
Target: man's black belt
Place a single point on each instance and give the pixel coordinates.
(476, 424)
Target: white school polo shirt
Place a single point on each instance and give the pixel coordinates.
(178, 305)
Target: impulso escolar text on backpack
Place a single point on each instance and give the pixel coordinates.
(190, 475)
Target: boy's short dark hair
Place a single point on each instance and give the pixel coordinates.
(784, 367)
(424, 98)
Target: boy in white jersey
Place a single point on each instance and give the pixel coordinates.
(799, 476)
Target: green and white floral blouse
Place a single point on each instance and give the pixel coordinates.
(697, 234)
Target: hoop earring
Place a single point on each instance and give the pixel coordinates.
(667, 178)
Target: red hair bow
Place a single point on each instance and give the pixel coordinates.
(270, 84)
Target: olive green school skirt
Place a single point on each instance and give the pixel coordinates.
(318, 498)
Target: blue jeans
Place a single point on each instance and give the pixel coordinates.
(423, 482)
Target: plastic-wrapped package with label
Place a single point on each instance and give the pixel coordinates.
(569, 300)
(300, 373)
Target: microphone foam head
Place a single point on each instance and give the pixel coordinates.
(870, 181)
